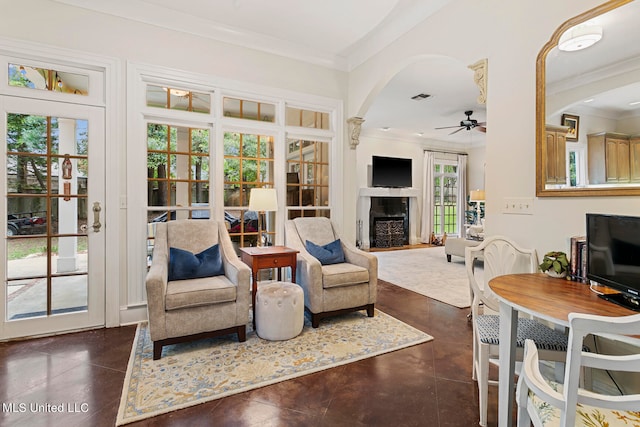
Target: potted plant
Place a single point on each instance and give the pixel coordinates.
(555, 264)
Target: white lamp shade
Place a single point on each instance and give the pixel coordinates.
(263, 199)
(476, 196)
(579, 37)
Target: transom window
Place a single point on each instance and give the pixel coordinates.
(250, 110)
(46, 79)
(178, 99)
(307, 118)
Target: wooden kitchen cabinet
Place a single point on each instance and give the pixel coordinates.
(555, 154)
(634, 158)
(609, 158)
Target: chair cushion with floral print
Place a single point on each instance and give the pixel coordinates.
(588, 416)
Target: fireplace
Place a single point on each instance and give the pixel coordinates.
(389, 222)
(387, 206)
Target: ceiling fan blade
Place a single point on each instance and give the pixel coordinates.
(448, 127)
(481, 124)
(456, 131)
(482, 129)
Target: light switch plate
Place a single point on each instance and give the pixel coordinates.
(518, 205)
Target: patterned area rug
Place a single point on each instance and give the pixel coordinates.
(193, 373)
(427, 272)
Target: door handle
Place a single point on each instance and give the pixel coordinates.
(96, 217)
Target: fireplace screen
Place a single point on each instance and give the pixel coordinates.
(388, 232)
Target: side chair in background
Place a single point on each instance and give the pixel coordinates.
(502, 256)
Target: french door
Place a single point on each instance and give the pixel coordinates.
(446, 214)
(53, 188)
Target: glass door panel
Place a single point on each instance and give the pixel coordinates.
(55, 262)
(446, 218)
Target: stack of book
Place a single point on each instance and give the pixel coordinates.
(578, 259)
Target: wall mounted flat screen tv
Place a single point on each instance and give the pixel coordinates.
(390, 172)
(613, 256)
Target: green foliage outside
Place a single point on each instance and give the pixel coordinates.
(247, 146)
(163, 139)
(449, 226)
(572, 168)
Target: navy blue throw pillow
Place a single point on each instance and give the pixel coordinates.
(185, 265)
(331, 253)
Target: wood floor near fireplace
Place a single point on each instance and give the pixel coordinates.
(397, 248)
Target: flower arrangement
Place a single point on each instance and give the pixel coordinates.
(555, 264)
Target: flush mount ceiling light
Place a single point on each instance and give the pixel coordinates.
(580, 37)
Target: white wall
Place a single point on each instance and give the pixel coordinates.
(476, 165)
(75, 28)
(371, 146)
(630, 125)
(510, 35)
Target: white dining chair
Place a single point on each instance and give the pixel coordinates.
(502, 256)
(546, 403)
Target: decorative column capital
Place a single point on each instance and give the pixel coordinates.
(355, 124)
(480, 78)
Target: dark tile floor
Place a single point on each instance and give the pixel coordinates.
(424, 385)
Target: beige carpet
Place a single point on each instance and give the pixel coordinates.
(427, 272)
(193, 373)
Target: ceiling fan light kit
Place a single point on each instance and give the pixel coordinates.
(467, 124)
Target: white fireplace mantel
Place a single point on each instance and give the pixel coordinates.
(388, 192)
(364, 206)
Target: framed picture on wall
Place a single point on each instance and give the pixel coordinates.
(573, 123)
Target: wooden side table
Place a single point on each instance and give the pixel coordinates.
(262, 257)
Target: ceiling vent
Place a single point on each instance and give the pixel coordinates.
(420, 96)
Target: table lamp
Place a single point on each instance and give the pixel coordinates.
(262, 200)
(477, 196)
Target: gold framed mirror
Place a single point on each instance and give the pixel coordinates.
(587, 117)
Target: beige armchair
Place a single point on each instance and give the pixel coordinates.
(335, 288)
(184, 310)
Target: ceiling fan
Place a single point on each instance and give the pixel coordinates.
(467, 124)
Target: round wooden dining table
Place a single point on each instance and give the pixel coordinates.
(545, 298)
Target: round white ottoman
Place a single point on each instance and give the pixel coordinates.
(279, 311)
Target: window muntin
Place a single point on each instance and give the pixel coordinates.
(178, 99)
(47, 210)
(307, 178)
(445, 199)
(247, 109)
(177, 165)
(48, 79)
(177, 175)
(307, 118)
(248, 163)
